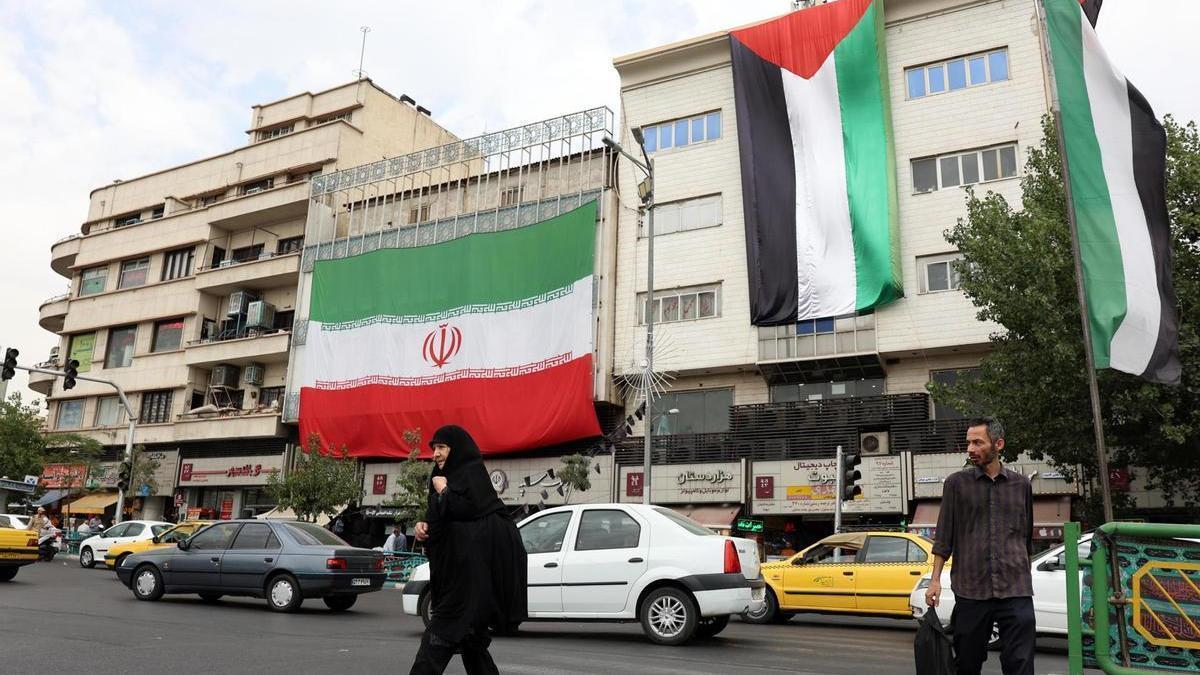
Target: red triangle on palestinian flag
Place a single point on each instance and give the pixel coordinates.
(802, 41)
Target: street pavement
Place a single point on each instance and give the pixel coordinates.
(59, 618)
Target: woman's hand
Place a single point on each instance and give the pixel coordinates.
(422, 531)
(439, 484)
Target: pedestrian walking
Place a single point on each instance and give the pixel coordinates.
(477, 562)
(396, 541)
(986, 523)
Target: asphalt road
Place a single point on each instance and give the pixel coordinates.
(58, 618)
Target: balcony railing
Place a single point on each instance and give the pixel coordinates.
(812, 339)
(230, 262)
(238, 334)
(57, 298)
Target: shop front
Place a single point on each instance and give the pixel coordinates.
(711, 493)
(150, 500)
(222, 488)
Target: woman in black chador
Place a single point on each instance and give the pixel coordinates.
(477, 562)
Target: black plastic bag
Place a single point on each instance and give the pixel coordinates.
(932, 647)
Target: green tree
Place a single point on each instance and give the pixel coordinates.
(1018, 270)
(22, 442)
(319, 483)
(412, 482)
(575, 474)
(144, 468)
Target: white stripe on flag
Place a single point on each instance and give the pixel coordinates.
(491, 340)
(1134, 340)
(824, 242)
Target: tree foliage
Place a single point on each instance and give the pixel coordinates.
(21, 439)
(575, 474)
(412, 482)
(320, 483)
(1019, 271)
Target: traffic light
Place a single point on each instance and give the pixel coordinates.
(850, 476)
(10, 364)
(71, 370)
(124, 475)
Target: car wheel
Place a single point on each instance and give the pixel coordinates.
(766, 614)
(211, 597)
(669, 616)
(424, 609)
(87, 558)
(8, 573)
(340, 603)
(709, 626)
(283, 593)
(147, 583)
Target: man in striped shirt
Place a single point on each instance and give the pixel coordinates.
(986, 523)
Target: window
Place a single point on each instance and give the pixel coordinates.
(950, 377)
(308, 534)
(830, 554)
(158, 212)
(177, 264)
(685, 522)
(682, 132)
(134, 273)
(939, 272)
(512, 196)
(333, 118)
(209, 200)
(252, 536)
(546, 534)
(258, 186)
(93, 280)
(958, 73)
(916, 554)
(70, 414)
(698, 412)
(682, 304)
(215, 537)
(156, 407)
(168, 335)
(270, 396)
(276, 132)
(601, 529)
(247, 253)
(120, 347)
(116, 531)
(886, 550)
(690, 214)
(134, 530)
(109, 412)
(289, 245)
(218, 256)
(284, 319)
(419, 214)
(818, 391)
(964, 168)
(131, 219)
(81, 348)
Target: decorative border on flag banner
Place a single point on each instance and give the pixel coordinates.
(416, 319)
(480, 373)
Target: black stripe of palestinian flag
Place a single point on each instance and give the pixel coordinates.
(1116, 151)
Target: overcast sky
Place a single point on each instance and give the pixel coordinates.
(90, 92)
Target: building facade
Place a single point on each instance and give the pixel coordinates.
(183, 290)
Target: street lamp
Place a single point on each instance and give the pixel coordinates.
(646, 193)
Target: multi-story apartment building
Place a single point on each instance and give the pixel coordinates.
(183, 290)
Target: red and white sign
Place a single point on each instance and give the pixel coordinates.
(227, 509)
(64, 475)
(229, 470)
(380, 485)
(633, 484)
(764, 487)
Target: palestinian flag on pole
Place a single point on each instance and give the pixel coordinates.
(818, 165)
(492, 332)
(1116, 154)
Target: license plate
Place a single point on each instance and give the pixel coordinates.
(359, 581)
(16, 556)
(758, 594)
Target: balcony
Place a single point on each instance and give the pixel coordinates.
(240, 348)
(41, 382)
(53, 313)
(287, 201)
(247, 424)
(830, 349)
(62, 254)
(269, 270)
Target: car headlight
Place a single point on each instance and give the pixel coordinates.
(923, 583)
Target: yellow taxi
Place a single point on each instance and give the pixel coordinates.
(171, 537)
(17, 549)
(871, 573)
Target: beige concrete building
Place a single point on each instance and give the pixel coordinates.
(183, 290)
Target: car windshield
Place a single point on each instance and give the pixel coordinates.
(308, 534)
(685, 522)
(159, 529)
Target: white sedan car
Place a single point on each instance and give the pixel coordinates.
(629, 562)
(93, 548)
(14, 521)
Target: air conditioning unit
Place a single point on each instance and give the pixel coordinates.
(254, 374)
(224, 375)
(239, 302)
(260, 314)
(873, 442)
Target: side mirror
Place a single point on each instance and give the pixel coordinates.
(183, 544)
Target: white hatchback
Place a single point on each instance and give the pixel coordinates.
(628, 562)
(93, 548)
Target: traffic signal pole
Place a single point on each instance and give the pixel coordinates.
(128, 413)
(840, 489)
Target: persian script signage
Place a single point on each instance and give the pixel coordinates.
(808, 486)
(229, 470)
(717, 482)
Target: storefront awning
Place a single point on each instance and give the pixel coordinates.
(93, 504)
(714, 517)
(50, 497)
(927, 514)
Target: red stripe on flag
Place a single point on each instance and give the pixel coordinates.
(802, 41)
(503, 414)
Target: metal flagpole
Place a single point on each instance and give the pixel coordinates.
(1093, 385)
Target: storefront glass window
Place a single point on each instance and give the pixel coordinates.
(815, 391)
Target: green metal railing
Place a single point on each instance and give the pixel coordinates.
(1173, 583)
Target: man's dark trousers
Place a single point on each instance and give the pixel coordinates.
(972, 622)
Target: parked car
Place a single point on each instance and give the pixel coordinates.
(166, 539)
(95, 547)
(628, 562)
(864, 573)
(282, 561)
(14, 521)
(18, 548)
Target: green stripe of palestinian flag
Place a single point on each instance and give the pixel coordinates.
(489, 270)
(1116, 152)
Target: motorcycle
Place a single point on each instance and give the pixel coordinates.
(46, 546)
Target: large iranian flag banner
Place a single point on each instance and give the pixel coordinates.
(492, 332)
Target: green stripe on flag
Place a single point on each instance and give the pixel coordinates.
(861, 63)
(479, 269)
(1099, 245)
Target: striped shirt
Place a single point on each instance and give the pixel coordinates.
(987, 526)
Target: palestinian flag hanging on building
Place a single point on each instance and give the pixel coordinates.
(818, 165)
(492, 332)
(1116, 153)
